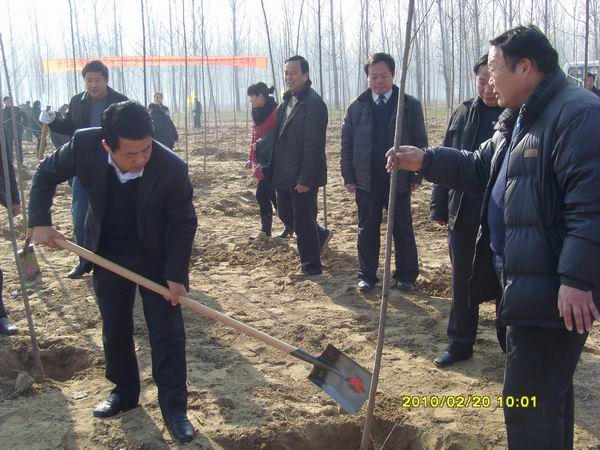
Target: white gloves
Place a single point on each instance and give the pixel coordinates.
(47, 117)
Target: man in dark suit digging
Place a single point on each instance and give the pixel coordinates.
(140, 216)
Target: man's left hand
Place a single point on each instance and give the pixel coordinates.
(16, 210)
(414, 186)
(301, 188)
(176, 290)
(574, 303)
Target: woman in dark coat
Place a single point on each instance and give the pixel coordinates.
(264, 109)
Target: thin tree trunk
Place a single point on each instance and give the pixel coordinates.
(587, 38)
(445, 68)
(336, 86)
(210, 84)
(13, 234)
(262, 4)
(73, 46)
(236, 72)
(172, 44)
(299, 22)
(185, 52)
(96, 29)
(144, 51)
(366, 435)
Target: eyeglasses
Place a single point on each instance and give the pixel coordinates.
(493, 71)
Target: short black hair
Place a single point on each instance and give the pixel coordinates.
(6, 97)
(303, 62)
(527, 42)
(482, 61)
(157, 93)
(95, 66)
(151, 107)
(129, 120)
(381, 57)
(260, 88)
(37, 103)
(590, 74)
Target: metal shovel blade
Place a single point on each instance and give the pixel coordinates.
(341, 388)
(28, 261)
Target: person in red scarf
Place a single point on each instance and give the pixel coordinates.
(264, 108)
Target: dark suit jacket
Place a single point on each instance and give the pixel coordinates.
(166, 216)
(78, 114)
(299, 142)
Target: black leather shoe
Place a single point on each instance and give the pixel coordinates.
(6, 327)
(112, 406)
(365, 286)
(446, 358)
(405, 286)
(78, 272)
(180, 427)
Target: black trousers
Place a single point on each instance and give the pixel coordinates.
(464, 317)
(265, 195)
(370, 213)
(165, 329)
(541, 362)
(2, 310)
(298, 212)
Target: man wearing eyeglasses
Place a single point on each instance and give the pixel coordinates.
(539, 240)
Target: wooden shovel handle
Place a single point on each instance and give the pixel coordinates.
(183, 301)
(43, 142)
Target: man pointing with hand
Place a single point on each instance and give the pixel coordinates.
(539, 241)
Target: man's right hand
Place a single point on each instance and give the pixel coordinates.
(407, 158)
(47, 117)
(351, 188)
(46, 236)
(441, 222)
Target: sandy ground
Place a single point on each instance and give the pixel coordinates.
(243, 394)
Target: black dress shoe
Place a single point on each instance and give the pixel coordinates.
(180, 427)
(77, 272)
(405, 286)
(112, 406)
(6, 327)
(365, 286)
(446, 358)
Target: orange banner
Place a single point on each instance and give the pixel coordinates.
(65, 64)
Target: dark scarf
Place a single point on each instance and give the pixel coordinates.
(259, 115)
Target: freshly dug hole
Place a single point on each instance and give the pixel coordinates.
(61, 361)
(345, 433)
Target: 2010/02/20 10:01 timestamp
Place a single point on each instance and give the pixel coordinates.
(468, 401)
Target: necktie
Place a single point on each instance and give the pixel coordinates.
(381, 101)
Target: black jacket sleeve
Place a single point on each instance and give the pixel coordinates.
(53, 170)
(182, 221)
(14, 189)
(347, 153)
(576, 158)
(420, 136)
(460, 170)
(63, 123)
(314, 140)
(439, 194)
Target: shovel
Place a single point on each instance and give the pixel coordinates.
(340, 377)
(27, 259)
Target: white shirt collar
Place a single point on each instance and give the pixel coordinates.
(387, 96)
(127, 176)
